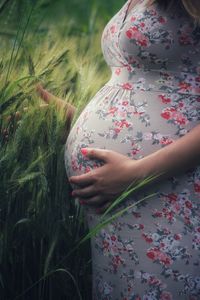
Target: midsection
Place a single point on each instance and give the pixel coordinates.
(130, 120)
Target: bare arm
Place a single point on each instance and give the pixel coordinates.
(60, 105)
(181, 155)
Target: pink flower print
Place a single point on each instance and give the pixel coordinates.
(156, 255)
(165, 296)
(185, 39)
(140, 38)
(117, 130)
(133, 19)
(117, 261)
(180, 119)
(127, 86)
(153, 12)
(147, 238)
(164, 258)
(122, 124)
(154, 281)
(125, 103)
(118, 71)
(141, 226)
(112, 110)
(184, 86)
(113, 29)
(166, 141)
(105, 245)
(87, 169)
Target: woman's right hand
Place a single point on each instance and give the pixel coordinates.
(60, 105)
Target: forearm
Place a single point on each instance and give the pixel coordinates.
(50, 98)
(181, 155)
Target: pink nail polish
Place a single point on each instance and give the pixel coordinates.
(84, 151)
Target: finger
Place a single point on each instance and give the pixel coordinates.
(94, 153)
(86, 192)
(49, 98)
(83, 180)
(103, 208)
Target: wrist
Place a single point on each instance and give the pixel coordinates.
(148, 166)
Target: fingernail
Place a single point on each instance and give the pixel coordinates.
(84, 151)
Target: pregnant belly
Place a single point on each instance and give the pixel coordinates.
(132, 122)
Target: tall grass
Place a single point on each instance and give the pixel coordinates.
(44, 242)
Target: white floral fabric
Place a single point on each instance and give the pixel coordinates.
(152, 251)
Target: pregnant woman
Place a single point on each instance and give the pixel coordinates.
(144, 121)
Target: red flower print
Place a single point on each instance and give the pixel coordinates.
(197, 187)
(127, 86)
(166, 115)
(165, 296)
(157, 214)
(172, 197)
(164, 99)
(141, 226)
(125, 103)
(188, 204)
(185, 39)
(177, 236)
(129, 33)
(156, 254)
(148, 239)
(113, 238)
(184, 86)
(197, 79)
(151, 255)
(162, 20)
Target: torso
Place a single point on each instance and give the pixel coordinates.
(152, 99)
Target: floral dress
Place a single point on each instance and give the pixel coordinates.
(152, 251)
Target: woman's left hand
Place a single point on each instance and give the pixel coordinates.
(102, 185)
